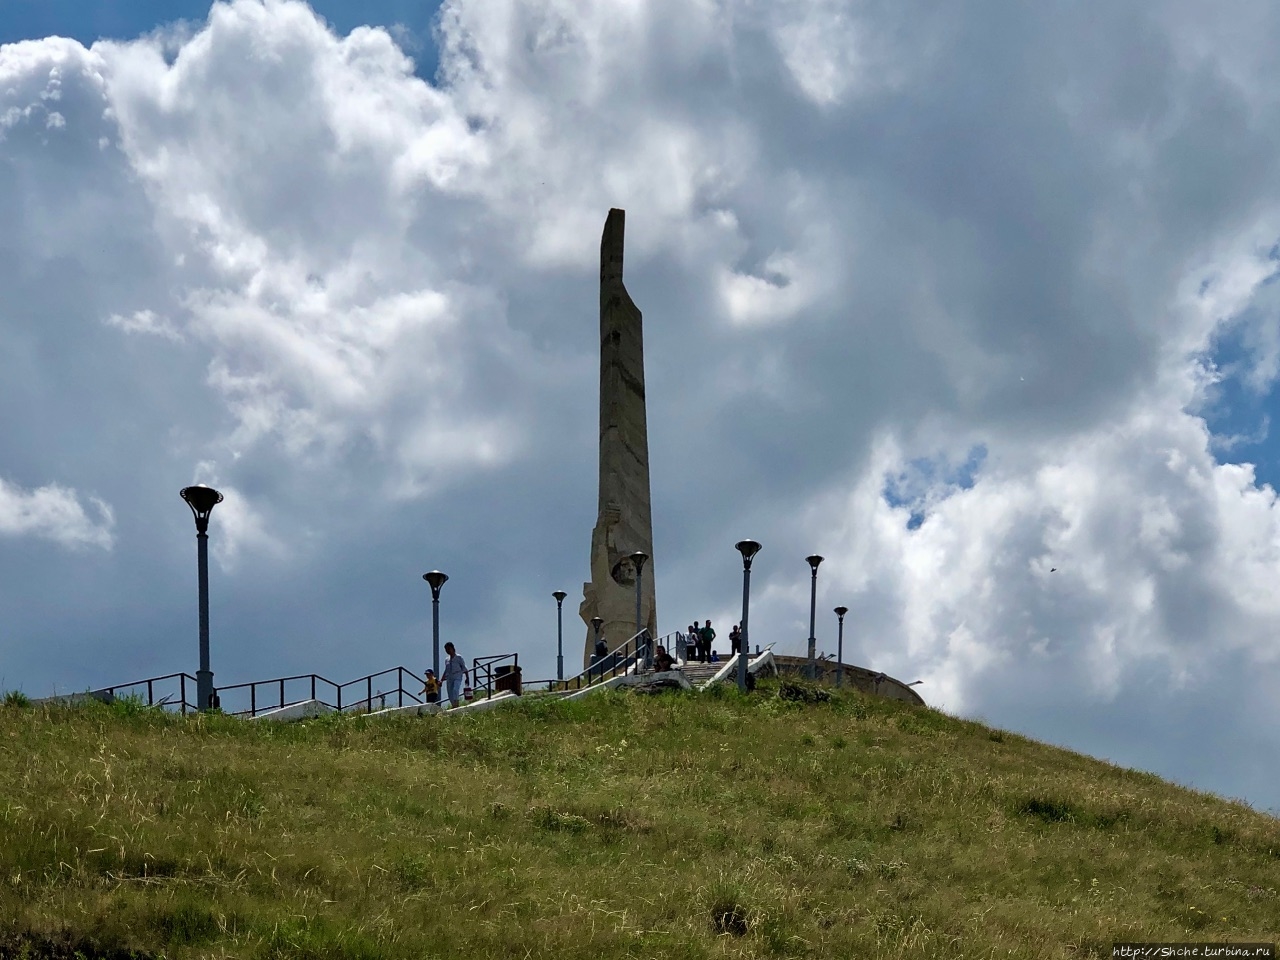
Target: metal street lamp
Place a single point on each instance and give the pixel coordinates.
(202, 500)
(638, 558)
(748, 549)
(437, 580)
(840, 612)
(559, 595)
(813, 611)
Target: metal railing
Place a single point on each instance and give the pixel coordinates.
(394, 687)
(168, 692)
(397, 686)
(366, 694)
(622, 660)
(494, 673)
(376, 691)
(625, 658)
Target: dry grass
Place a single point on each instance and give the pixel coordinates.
(616, 826)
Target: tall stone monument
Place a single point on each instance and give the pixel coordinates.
(623, 524)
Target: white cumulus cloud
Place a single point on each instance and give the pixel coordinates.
(54, 513)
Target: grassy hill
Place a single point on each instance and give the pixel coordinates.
(677, 825)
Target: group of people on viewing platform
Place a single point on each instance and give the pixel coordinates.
(695, 643)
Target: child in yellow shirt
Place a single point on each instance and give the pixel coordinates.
(431, 687)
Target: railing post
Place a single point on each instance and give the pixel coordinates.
(399, 686)
(253, 699)
(369, 698)
(150, 698)
(313, 686)
(282, 691)
(182, 687)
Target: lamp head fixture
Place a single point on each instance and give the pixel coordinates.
(748, 549)
(201, 500)
(437, 580)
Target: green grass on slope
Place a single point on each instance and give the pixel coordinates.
(615, 826)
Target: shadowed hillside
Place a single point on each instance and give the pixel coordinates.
(678, 825)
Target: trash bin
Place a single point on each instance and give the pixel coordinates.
(507, 678)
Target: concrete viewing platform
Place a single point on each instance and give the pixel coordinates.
(685, 675)
(691, 675)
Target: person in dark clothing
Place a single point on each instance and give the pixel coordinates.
(695, 643)
(598, 656)
(707, 635)
(663, 661)
(735, 639)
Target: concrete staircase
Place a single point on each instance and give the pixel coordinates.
(699, 673)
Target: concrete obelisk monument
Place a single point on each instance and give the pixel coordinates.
(623, 524)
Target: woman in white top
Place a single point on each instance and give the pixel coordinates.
(454, 673)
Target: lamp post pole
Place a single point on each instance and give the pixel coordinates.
(840, 612)
(559, 595)
(748, 549)
(202, 500)
(813, 562)
(436, 579)
(638, 558)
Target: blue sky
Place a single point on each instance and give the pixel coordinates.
(90, 20)
(978, 306)
(1238, 413)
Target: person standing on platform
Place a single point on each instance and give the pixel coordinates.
(455, 673)
(695, 640)
(708, 637)
(735, 640)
